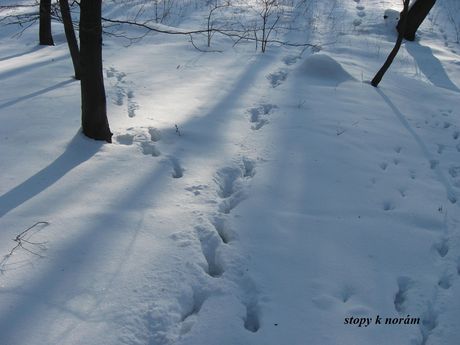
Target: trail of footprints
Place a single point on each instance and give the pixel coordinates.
(406, 286)
(123, 90)
(360, 12)
(453, 170)
(215, 237)
(147, 139)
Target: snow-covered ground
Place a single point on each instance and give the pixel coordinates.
(247, 198)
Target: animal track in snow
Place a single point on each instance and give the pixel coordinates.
(346, 292)
(454, 171)
(290, 59)
(178, 171)
(442, 248)
(404, 284)
(249, 167)
(155, 134)
(455, 135)
(145, 138)
(412, 174)
(360, 7)
(251, 320)
(196, 190)
(440, 149)
(445, 281)
(257, 115)
(125, 139)
(402, 192)
(132, 105)
(122, 90)
(429, 323)
(398, 149)
(277, 78)
(388, 205)
(229, 181)
(149, 148)
(361, 14)
(383, 165)
(433, 163)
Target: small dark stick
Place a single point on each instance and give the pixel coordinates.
(177, 130)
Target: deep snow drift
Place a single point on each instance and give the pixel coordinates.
(247, 198)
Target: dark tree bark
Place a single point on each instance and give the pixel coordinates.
(378, 77)
(415, 17)
(93, 103)
(70, 36)
(45, 36)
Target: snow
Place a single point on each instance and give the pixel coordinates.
(324, 69)
(246, 198)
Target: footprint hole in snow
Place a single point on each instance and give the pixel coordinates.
(249, 167)
(191, 306)
(429, 321)
(404, 284)
(227, 205)
(225, 179)
(433, 163)
(209, 246)
(455, 135)
(150, 149)
(388, 206)
(442, 248)
(222, 229)
(178, 171)
(155, 134)
(445, 281)
(125, 139)
(251, 321)
(346, 293)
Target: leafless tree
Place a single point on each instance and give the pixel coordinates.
(94, 108)
(45, 36)
(70, 36)
(378, 77)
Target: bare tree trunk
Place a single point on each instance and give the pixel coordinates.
(94, 109)
(70, 36)
(378, 77)
(415, 16)
(45, 36)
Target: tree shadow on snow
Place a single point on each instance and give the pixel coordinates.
(79, 150)
(451, 195)
(430, 66)
(36, 93)
(41, 292)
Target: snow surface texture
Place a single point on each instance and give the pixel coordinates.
(247, 198)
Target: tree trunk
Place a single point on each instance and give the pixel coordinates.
(45, 36)
(94, 109)
(378, 77)
(415, 16)
(70, 36)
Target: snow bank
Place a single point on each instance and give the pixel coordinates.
(323, 69)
